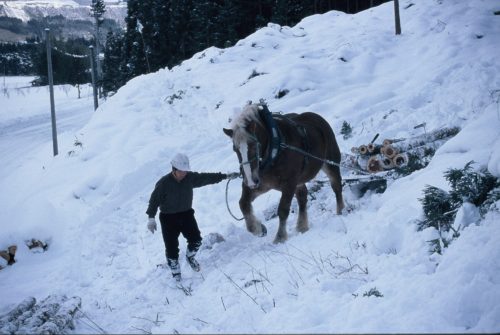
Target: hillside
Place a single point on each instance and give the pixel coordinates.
(89, 202)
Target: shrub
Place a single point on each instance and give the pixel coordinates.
(346, 130)
(440, 207)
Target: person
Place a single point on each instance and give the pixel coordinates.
(173, 194)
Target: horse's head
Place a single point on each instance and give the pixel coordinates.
(247, 132)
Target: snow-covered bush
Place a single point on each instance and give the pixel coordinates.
(346, 130)
(472, 195)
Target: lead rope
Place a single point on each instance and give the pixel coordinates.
(227, 203)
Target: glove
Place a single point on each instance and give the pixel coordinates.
(232, 175)
(152, 225)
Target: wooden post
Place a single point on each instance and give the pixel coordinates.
(93, 69)
(51, 90)
(397, 17)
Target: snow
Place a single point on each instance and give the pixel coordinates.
(89, 202)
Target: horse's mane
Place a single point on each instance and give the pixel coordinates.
(249, 113)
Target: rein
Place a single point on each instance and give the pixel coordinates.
(227, 203)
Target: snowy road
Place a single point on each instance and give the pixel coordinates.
(30, 132)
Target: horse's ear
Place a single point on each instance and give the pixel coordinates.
(228, 132)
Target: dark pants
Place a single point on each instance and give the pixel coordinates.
(174, 224)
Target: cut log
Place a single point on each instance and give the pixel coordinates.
(363, 150)
(387, 163)
(389, 151)
(373, 149)
(400, 160)
(362, 162)
(389, 141)
(374, 165)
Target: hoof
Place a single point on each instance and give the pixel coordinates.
(263, 230)
(279, 240)
(302, 229)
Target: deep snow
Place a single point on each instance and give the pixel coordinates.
(90, 204)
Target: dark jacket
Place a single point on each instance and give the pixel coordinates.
(174, 196)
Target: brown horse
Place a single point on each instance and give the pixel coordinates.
(283, 152)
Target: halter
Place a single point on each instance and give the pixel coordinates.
(275, 143)
(257, 157)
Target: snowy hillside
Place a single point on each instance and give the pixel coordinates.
(365, 271)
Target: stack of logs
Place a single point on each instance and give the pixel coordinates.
(394, 153)
(375, 157)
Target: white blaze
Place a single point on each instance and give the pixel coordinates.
(247, 169)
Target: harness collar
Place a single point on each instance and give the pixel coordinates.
(274, 135)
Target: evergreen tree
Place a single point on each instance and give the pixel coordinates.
(69, 62)
(227, 23)
(97, 9)
(346, 130)
(161, 45)
(134, 60)
(112, 77)
(180, 32)
(204, 24)
(440, 207)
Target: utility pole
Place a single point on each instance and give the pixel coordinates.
(51, 90)
(94, 85)
(397, 17)
(98, 8)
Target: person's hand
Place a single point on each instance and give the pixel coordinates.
(233, 175)
(152, 225)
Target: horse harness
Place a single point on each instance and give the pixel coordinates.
(277, 141)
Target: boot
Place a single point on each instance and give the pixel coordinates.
(194, 263)
(175, 268)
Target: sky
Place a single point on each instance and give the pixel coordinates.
(88, 203)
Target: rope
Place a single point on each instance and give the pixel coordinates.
(327, 161)
(68, 54)
(227, 203)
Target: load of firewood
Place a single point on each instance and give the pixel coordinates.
(397, 153)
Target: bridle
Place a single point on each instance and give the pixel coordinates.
(257, 157)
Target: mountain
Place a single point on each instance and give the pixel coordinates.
(76, 16)
(368, 270)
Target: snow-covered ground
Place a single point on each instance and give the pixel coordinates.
(89, 202)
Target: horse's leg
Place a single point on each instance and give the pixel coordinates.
(333, 173)
(301, 195)
(283, 211)
(253, 224)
